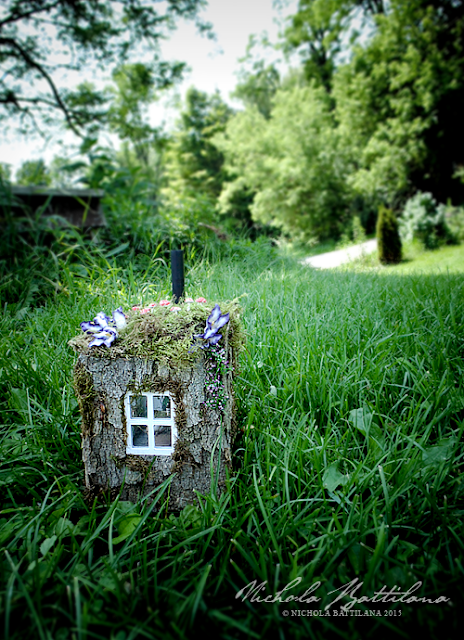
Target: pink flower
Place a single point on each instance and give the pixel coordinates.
(146, 310)
(200, 300)
(164, 303)
(175, 309)
(152, 304)
(135, 308)
(188, 299)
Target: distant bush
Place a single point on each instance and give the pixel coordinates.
(354, 234)
(388, 237)
(454, 220)
(424, 220)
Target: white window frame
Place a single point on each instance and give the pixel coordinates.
(150, 422)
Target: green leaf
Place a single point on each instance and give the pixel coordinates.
(332, 478)
(117, 250)
(191, 516)
(8, 478)
(124, 507)
(19, 399)
(439, 453)
(126, 526)
(63, 527)
(47, 544)
(109, 582)
(362, 419)
(87, 144)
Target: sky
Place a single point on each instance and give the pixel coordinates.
(213, 64)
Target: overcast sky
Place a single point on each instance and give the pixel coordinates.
(213, 63)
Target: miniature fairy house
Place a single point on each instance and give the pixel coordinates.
(155, 392)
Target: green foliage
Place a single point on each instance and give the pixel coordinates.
(147, 231)
(423, 220)
(193, 165)
(315, 33)
(37, 251)
(384, 111)
(64, 172)
(85, 34)
(349, 464)
(133, 91)
(234, 204)
(354, 234)
(454, 220)
(110, 170)
(29, 250)
(291, 162)
(5, 172)
(33, 172)
(388, 237)
(257, 87)
(399, 102)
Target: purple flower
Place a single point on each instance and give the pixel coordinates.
(103, 328)
(215, 322)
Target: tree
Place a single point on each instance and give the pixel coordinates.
(133, 90)
(291, 163)
(258, 87)
(388, 237)
(83, 34)
(322, 31)
(400, 102)
(258, 80)
(193, 164)
(316, 32)
(400, 98)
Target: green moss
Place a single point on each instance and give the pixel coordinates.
(142, 464)
(164, 336)
(100, 494)
(182, 455)
(85, 395)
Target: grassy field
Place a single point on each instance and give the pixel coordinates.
(417, 260)
(349, 465)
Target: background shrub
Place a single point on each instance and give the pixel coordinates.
(454, 220)
(424, 220)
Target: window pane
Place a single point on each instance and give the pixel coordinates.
(138, 407)
(139, 435)
(161, 407)
(163, 435)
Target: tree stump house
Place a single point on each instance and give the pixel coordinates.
(159, 404)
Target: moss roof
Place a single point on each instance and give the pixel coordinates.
(164, 335)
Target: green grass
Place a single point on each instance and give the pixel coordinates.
(349, 463)
(446, 259)
(418, 260)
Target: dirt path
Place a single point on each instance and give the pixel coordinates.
(341, 256)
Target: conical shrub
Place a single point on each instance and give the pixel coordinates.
(388, 237)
